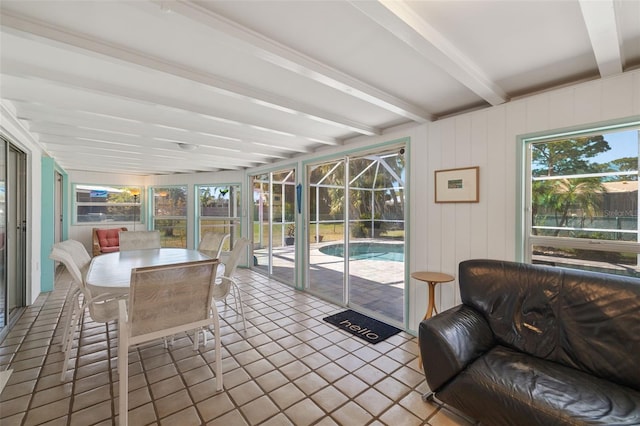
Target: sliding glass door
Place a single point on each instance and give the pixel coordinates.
(356, 225)
(327, 218)
(13, 231)
(274, 230)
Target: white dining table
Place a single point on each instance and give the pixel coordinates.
(111, 272)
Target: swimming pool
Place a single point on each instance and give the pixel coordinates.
(371, 251)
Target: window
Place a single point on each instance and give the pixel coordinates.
(219, 211)
(583, 200)
(99, 204)
(170, 215)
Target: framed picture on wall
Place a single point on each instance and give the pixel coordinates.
(457, 185)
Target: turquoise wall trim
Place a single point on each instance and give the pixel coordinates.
(47, 221)
(47, 200)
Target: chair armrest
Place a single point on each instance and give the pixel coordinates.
(450, 341)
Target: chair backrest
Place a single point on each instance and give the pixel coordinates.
(138, 240)
(79, 254)
(211, 244)
(169, 296)
(60, 255)
(231, 264)
(106, 240)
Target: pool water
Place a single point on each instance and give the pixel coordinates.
(371, 251)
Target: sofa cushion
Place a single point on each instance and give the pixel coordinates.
(585, 320)
(508, 387)
(108, 239)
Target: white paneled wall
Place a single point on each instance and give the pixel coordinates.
(489, 138)
(442, 235)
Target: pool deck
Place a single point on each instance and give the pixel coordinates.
(377, 285)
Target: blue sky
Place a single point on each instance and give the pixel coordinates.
(623, 144)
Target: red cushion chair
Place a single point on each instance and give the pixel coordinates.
(106, 240)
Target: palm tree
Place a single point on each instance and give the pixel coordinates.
(563, 195)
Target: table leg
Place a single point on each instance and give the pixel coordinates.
(432, 296)
(429, 313)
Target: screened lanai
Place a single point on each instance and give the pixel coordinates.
(352, 204)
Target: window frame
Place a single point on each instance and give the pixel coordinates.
(154, 196)
(528, 239)
(235, 206)
(139, 219)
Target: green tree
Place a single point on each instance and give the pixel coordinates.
(567, 156)
(560, 197)
(626, 164)
(563, 196)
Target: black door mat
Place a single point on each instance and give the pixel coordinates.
(366, 328)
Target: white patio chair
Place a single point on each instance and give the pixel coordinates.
(163, 301)
(139, 240)
(102, 308)
(211, 244)
(226, 285)
(82, 259)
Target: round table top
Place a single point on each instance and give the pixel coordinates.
(432, 277)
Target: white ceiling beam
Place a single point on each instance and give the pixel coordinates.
(251, 131)
(11, 125)
(292, 60)
(87, 140)
(227, 87)
(97, 157)
(600, 19)
(78, 159)
(399, 19)
(79, 119)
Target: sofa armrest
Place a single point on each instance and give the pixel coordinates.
(451, 340)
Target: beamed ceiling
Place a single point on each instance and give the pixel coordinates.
(122, 86)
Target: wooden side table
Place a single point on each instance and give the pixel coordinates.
(432, 279)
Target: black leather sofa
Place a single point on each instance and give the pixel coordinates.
(537, 345)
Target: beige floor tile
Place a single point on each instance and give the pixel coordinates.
(172, 403)
(187, 417)
(399, 416)
(286, 395)
(245, 392)
(46, 412)
(271, 380)
(93, 414)
(259, 410)
(350, 385)
(278, 420)
(373, 401)
(352, 414)
(166, 387)
(329, 398)
(413, 402)
(90, 397)
(304, 412)
(290, 368)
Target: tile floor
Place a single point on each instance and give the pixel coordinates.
(291, 368)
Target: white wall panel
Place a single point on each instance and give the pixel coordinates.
(588, 98)
(418, 227)
(489, 138)
(537, 114)
(561, 108)
(494, 172)
(478, 235)
(617, 99)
